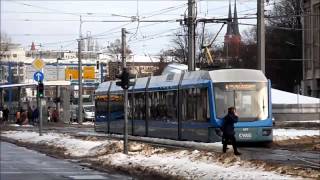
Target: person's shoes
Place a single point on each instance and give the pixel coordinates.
(237, 153)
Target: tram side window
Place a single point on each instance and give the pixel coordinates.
(116, 103)
(163, 105)
(137, 106)
(101, 107)
(195, 105)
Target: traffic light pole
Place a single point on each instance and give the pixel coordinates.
(40, 116)
(40, 90)
(125, 93)
(80, 82)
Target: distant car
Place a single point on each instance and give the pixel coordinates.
(88, 112)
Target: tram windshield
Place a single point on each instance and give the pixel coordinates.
(250, 100)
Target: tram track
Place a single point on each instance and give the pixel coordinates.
(309, 159)
(277, 155)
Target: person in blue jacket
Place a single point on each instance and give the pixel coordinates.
(228, 130)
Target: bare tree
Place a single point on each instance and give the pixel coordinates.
(115, 48)
(179, 46)
(5, 42)
(283, 43)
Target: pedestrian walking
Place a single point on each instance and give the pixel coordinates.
(29, 114)
(228, 130)
(1, 115)
(24, 117)
(18, 117)
(49, 114)
(5, 113)
(55, 115)
(35, 115)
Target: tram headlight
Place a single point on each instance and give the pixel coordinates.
(266, 132)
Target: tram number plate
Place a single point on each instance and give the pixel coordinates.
(245, 135)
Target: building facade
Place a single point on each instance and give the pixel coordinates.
(311, 48)
(232, 38)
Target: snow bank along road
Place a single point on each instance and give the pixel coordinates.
(161, 161)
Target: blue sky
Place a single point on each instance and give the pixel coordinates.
(56, 23)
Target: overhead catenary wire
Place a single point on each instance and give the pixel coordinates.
(138, 26)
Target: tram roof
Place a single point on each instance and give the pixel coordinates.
(237, 75)
(190, 79)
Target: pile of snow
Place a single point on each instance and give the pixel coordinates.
(283, 97)
(186, 164)
(17, 125)
(306, 121)
(182, 163)
(74, 147)
(285, 134)
(88, 123)
(189, 165)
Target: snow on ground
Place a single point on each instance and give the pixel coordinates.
(74, 147)
(306, 121)
(283, 97)
(285, 134)
(185, 164)
(182, 163)
(84, 123)
(88, 123)
(17, 125)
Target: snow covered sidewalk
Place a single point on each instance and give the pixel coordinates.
(179, 163)
(286, 134)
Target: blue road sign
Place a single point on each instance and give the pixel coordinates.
(38, 76)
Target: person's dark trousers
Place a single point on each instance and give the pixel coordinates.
(232, 139)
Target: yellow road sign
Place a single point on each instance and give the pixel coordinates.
(38, 64)
(88, 72)
(71, 73)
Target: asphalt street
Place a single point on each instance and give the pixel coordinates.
(19, 163)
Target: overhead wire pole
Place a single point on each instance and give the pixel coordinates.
(80, 74)
(58, 87)
(191, 35)
(261, 36)
(40, 101)
(125, 92)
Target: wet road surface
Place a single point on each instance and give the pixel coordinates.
(19, 163)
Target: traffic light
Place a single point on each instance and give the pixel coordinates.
(125, 77)
(97, 65)
(40, 90)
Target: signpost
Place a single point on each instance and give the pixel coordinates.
(38, 64)
(38, 76)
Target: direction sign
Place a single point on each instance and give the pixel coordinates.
(38, 76)
(38, 64)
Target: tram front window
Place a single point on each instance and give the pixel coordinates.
(250, 100)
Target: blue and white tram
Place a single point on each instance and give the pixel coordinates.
(189, 106)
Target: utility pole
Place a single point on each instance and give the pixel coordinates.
(80, 83)
(191, 35)
(40, 101)
(261, 36)
(125, 92)
(58, 88)
(80, 75)
(40, 116)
